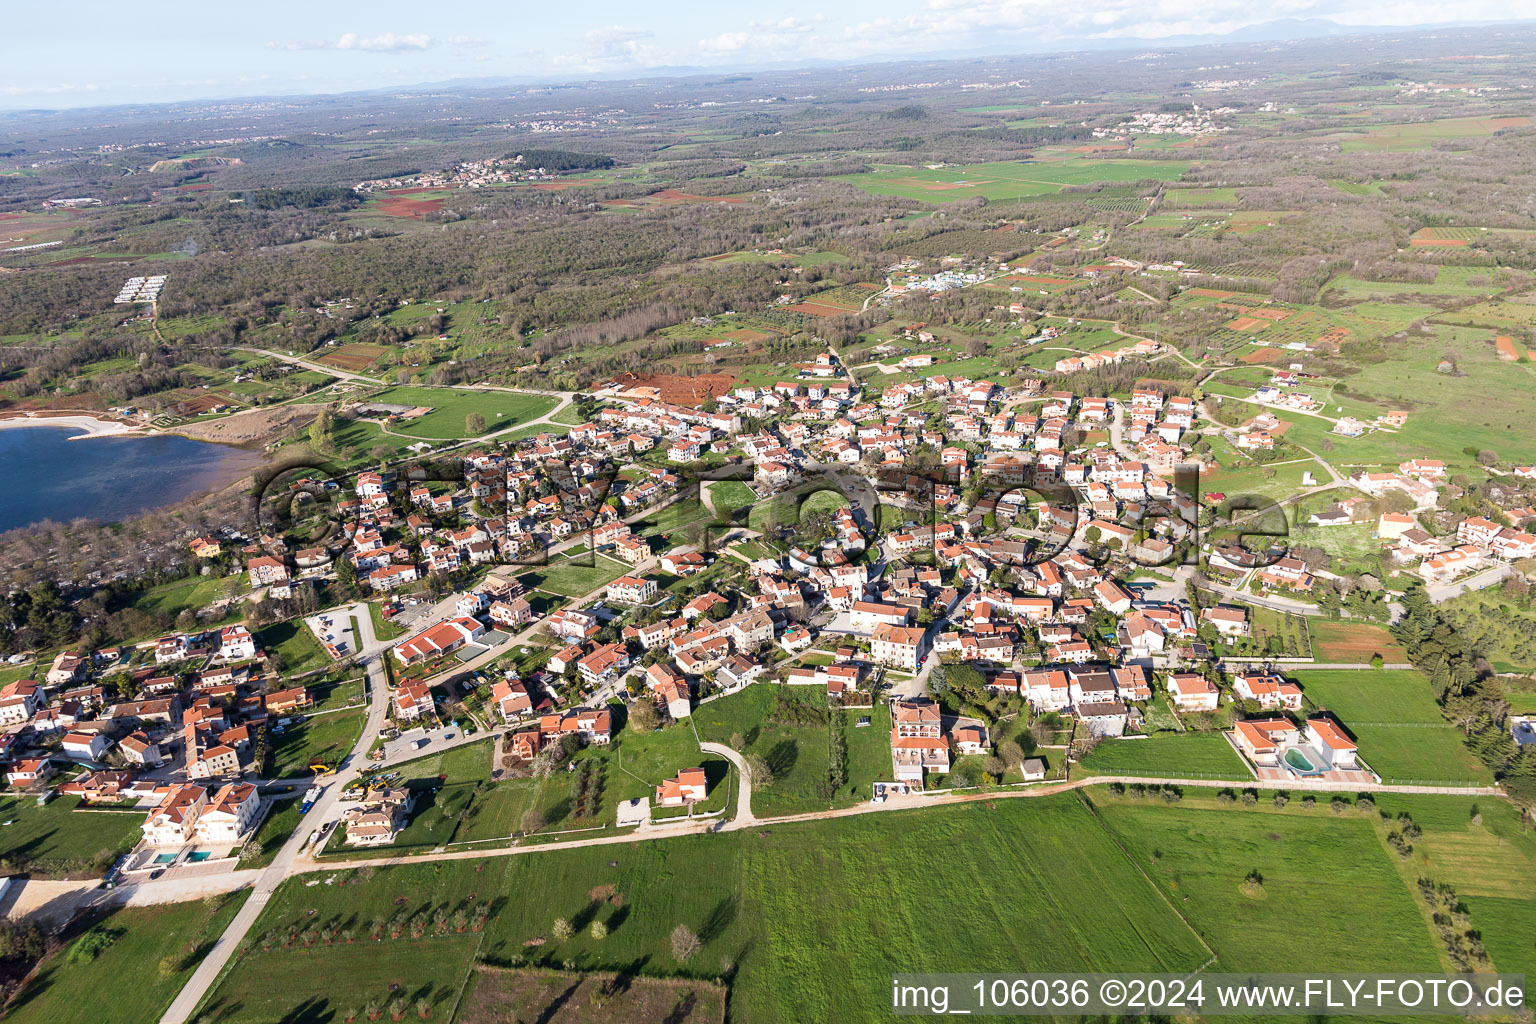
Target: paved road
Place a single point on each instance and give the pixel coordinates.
(698, 826)
(744, 815)
(1486, 578)
(202, 980)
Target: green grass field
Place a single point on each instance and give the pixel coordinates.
(1008, 179)
(730, 495)
(798, 752)
(1480, 409)
(56, 840)
(813, 915)
(1394, 718)
(152, 954)
(452, 406)
(294, 645)
(195, 592)
(1329, 871)
(1193, 755)
(568, 580)
(326, 737)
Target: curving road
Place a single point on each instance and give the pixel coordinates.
(744, 815)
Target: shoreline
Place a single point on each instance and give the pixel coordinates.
(93, 426)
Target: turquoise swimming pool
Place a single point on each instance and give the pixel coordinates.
(199, 856)
(164, 858)
(1301, 764)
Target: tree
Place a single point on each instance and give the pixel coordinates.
(643, 716)
(320, 431)
(346, 574)
(563, 929)
(533, 820)
(684, 943)
(599, 930)
(762, 775)
(474, 424)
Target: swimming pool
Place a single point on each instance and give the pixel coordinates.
(164, 858)
(199, 856)
(1300, 763)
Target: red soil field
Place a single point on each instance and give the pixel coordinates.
(396, 202)
(1262, 355)
(1439, 242)
(818, 309)
(1506, 346)
(676, 389)
(1247, 323)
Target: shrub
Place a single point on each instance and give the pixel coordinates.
(563, 929)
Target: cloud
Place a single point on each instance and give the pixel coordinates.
(48, 90)
(387, 42)
(611, 47)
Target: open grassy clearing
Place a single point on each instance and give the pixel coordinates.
(1335, 641)
(451, 408)
(794, 907)
(1331, 871)
(1192, 755)
(1479, 407)
(57, 840)
(1007, 179)
(1369, 695)
(152, 953)
(796, 745)
(194, 592)
(295, 646)
(568, 579)
(318, 738)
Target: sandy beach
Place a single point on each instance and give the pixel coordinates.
(91, 425)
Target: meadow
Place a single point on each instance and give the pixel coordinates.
(150, 953)
(804, 920)
(325, 738)
(1328, 870)
(1169, 755)
(1393, 716)
(451, 408)
(570, 579)
(1478, 407)
(797, 747)
(58, 841)
(1008, 179)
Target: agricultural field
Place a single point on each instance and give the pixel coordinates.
(1476, 407)
(1332, 871)
(1451, 282)
(1335, 641)
(1008, 180)
(1200, 755)
(1397, 138)
(761, 900)
(1180, 198)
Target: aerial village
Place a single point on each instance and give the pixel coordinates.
(1009, 565)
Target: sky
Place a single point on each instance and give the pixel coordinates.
(94, 53)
